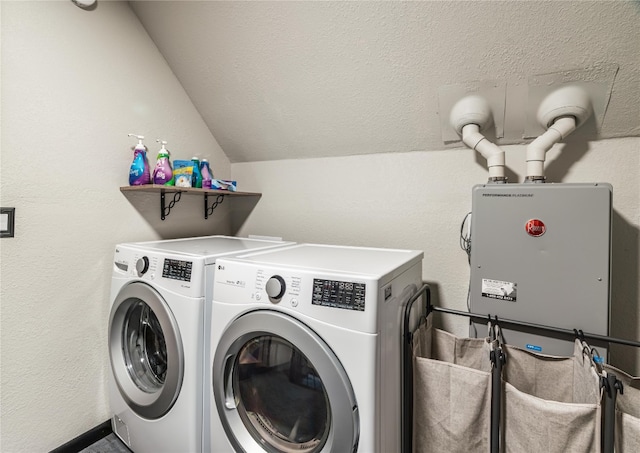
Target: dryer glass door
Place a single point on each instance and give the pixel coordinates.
(145, 350)
(281, 395)
(280, 386)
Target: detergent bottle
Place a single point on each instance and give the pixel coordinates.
(207, 176)
(163, 173)
(139, 172)
(196, 176)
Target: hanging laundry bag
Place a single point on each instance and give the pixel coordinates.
(452, 392)
(551, 404)
(627, 426)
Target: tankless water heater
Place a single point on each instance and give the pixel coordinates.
(541, 254)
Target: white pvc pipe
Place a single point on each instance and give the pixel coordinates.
(472, 137)
(537, 149)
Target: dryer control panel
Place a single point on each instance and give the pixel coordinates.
(338, 294)
(352, 302)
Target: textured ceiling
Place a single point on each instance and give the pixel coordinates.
(277, 80)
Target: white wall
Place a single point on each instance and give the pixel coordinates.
(417, 200)
(74, 83)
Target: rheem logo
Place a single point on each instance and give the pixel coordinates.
(535, 228)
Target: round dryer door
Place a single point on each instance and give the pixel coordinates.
(279, 386)
(145, 350)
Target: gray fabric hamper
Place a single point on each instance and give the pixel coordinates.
(452, 392)
(551, 404)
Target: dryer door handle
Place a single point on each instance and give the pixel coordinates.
(230, 401)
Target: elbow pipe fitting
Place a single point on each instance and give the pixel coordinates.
(564, 125)
(470, 115)
(537, 149)
(472, 137)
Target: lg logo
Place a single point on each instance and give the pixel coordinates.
(535, 227)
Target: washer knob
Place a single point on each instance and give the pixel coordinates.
(142, 266)
(275, 287)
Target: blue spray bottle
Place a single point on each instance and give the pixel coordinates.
(139, 172)
(196, 176)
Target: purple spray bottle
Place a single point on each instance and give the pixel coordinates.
(207, 176)
(162, 173)
(139, 171)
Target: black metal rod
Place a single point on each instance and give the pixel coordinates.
(502, 321)
(497, 358)
(162, 216)
(611, 385)
(407, 369)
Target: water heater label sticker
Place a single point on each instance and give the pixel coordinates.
(498, 289)
(508, 195)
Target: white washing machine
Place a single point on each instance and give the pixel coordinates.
(308, 347)
(157, 333)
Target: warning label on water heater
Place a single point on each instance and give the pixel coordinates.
(497, 289)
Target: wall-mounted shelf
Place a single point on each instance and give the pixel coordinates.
(165, 208)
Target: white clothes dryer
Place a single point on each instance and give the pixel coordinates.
(308, 347)
(157, 330)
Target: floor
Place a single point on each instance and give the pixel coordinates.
(108, 444)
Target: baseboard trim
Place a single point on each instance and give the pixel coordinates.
(85, 439)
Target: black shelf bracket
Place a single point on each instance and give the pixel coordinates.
(209, 210)
(166, 209)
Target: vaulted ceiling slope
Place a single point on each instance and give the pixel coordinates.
(277, 80)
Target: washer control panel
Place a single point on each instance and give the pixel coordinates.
(138, 264)
(142, 266)
(177, 269)
(338, 294)
(275, 287)
(182, 274)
